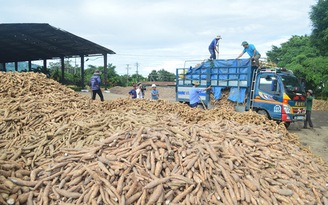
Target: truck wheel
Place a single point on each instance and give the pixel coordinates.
(287, 124)
(263, 112)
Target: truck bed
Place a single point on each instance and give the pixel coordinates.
(220, 74)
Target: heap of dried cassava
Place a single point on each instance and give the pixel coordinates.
(320, 105)
(58, 147)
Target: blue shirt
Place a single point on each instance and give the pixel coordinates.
(250, 50)
(194, 95)
(95, 82)
(213, 44)
(154, 94)
(133, 92)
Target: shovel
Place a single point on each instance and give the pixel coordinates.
(239, 108)
(202, 103)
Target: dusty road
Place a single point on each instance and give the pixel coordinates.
(315, 139)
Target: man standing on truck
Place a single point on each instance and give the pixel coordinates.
(309, 101)
(252, 52)
(194, 94)
(214, 47)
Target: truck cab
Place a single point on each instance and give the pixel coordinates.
(279, 95)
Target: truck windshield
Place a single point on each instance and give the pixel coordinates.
(292, 84)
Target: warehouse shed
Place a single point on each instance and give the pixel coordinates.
(27, 42)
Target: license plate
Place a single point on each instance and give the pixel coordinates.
(299, 117)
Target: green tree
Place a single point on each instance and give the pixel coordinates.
(166, 76)
(297, 48)
(153, 76)
(316, 74)
(274, 55)
(161, 75)
(319, 18)
(71, 74)
(112, 79)
(300, 56)
(135, 78)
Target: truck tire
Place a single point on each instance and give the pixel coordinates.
(263, 112)
(287, 124)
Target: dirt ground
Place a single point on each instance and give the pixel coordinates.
(315, 139)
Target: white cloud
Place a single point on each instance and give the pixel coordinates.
(164, 34)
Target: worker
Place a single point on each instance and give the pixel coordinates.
(252, 52)
(95, 82)
(309, 102)
(139, 92)
(194, 94)
(154, 93)
(214, 47)
(133, 92)
(142, 89)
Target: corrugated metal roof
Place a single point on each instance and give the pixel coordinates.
(34, 41)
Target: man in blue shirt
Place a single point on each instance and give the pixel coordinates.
(133, 92)
(213, 47)
(154, 93)
(252, 52)
(194, 94)
(95, 82)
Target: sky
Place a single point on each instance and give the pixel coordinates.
(151, 35)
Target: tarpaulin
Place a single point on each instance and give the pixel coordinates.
(231, 69)
(237, 94)
(223, 70)
(217, 92)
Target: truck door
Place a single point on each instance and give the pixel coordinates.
(269, 96)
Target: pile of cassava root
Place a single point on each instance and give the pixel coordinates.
(58, 147)
(320, 105)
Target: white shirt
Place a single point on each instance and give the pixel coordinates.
(139, 93)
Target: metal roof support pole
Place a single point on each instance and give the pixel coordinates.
(105, 70)
(44, 70)
(62, 69)
(29, 65)
(3, 67)
(82, 71)
(16, 66)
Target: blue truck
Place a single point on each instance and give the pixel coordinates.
(274, 92)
